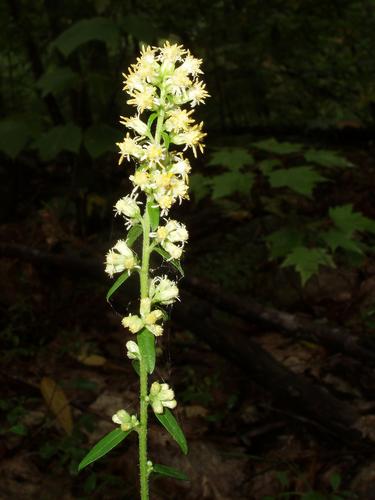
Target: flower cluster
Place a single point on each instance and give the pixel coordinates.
(164, 87)
(119, 259)
(126, 421)
(161, 396)
(161, 82)
(167, 236)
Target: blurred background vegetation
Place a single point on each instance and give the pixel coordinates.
(282, 203)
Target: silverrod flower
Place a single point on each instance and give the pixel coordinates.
(164, 87)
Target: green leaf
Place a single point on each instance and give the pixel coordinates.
(338, 239)
(146, 343)
(57, 80)
(283, 241)
(199, 186)
(164, 470)
(124, 276)
(151, 120)
(230, 183)
(14, 135)
(335, 481)
(307, 261)
(279, 148)
(154, 214)
(168, 421)
(349, 221)
(19, 429)
(104, 446)
(231, 158)
(326, 158)
(136, 367)
(60, 138)
(101, 138)
(133, 234)
(175, 263)
(266, 166)
(87, 30)
(302, 180)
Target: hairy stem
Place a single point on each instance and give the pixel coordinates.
(143, 370)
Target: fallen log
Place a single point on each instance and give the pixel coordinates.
(333, 338)
(304, 399)
(301, 398)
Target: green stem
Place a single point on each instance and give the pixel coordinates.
(142, 368)
(144, 279)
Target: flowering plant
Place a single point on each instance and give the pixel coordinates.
(161, 82)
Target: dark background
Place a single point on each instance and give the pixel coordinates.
(271, 350)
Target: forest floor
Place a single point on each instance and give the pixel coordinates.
(62, 342)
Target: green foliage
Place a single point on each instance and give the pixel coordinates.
(133, 234)
(57, 80)
(14, 136)
(168, 421)
(307, 261)
(164, 470)
(348, 221)
(283, 241)
(146, 344)
(326, 158)
(154, 214)
(231, 182)
(302, 242)
(104, 446)
(120, 280)
(58, 139)
(231, 158)
(175, 263)
(87, 30)
(279, 148)
(302, 180)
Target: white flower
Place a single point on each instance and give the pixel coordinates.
(128, 207)
(132, 350)
(147, 319)
(144, 99)
(171, 53)
(133, 322)
(153, 154)
(163, 290)
(141, 179)
(173, 232)
(129, 147)
(126, 421)
(191, 65)
(178, 119)
(192, 138)
(119, 258)
(197, 93)
(136, 124)
(161, 396)
(181, 167)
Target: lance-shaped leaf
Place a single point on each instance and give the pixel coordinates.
(146, 343)
(164, 470)
(168, 421)
(133, 234)
(104, 446)
(154, 214)
(124, 276)
(175, 263)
